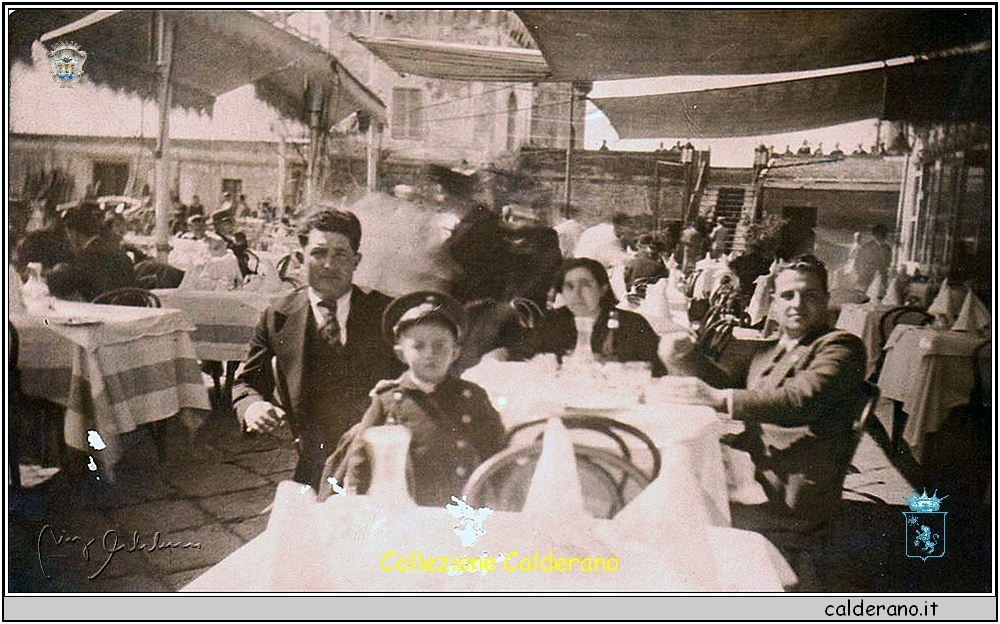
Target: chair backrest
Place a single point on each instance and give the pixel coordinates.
(135, 297)
(607, 481)
(284, 264)
(253, 262)
(608, 427)
(903, 315)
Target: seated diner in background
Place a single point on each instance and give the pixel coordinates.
(97, 263)
(589, 326)
(797, 400)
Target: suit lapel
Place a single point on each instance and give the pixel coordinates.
(290, 343)
(787, 362)
(355, 318)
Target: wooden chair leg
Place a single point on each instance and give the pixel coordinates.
(158, 430)
(898, 424)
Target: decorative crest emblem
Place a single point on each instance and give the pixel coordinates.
(66, 61)
(925, 526)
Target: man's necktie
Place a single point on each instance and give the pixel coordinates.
(330, 331)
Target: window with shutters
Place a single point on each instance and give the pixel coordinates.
(407, 114)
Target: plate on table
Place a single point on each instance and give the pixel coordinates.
(610, 411)
(74, 321)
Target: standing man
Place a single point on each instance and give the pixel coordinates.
(873, 258)
(317, 353)
(797, 400)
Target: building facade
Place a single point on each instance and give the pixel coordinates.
(261, 170)
(945, 210)
(445, 121)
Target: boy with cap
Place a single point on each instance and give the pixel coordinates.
(452, 424)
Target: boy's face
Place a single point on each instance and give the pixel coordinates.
(429, 349)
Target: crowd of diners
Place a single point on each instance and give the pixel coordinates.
(331, 359)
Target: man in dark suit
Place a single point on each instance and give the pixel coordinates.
(317, 353)
(798, 400)
(98, 263)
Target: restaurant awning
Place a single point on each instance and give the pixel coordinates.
(615, 44)
(769, 108)
(451, 61)
(951, 89)
(213, 52)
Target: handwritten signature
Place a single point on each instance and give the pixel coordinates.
(109, 543)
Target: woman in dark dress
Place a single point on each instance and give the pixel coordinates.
(615, 335)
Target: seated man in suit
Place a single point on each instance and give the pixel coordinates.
(98, 263)
(797, 399)
(317, 353)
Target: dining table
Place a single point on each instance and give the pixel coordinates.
(223, 320)
(115, 368)
(675, 535)
(864, 321)
(927, 372)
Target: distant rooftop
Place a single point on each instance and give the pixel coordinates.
(883, 172)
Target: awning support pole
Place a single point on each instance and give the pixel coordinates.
(371, 167)
(569, 153)
(162, 205)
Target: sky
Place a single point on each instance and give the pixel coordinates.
(37, 105)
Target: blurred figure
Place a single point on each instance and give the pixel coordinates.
(224, 224)
(646, 266)
(226, 205)
(873, 258)
(195, 228)
(196, 207)
(220, 270)
(242, 209)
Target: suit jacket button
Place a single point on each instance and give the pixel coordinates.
(461, 471)
(461, 443)
(467, 393)
(397, 395)
(466, 419)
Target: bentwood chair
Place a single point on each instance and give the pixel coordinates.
(135, 297)
(609, 480)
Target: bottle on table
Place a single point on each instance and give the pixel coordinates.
(35, 291)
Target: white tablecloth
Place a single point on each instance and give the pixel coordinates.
(659, 542)
(525, 391)
(930, 372)
(862, 320)
(114, 367)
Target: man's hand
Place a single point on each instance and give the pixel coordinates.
(263, 417)
(693, 391)
(676, 346)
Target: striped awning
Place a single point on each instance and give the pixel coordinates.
(214, 52)
(453, 61)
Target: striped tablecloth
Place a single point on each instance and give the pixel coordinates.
(114, 367)
(223, 320)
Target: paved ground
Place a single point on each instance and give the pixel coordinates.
(215, 488)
